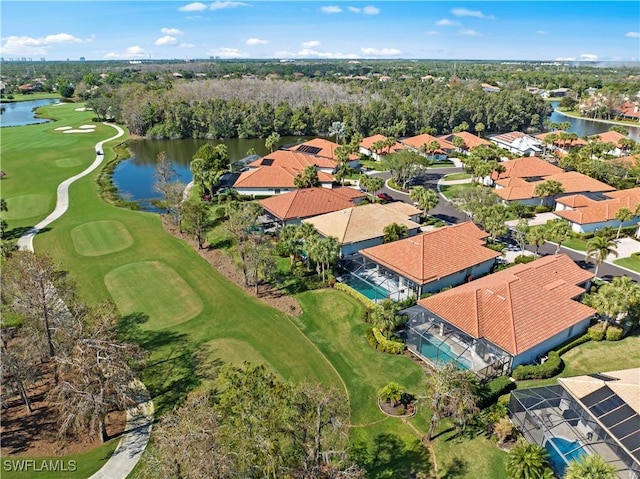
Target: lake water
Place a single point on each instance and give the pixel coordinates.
(20, 113)
(584, 127)
(134, 177)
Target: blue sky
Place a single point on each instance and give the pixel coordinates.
(514, 30)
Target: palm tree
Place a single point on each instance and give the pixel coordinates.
(328, 253)
(426, 198)
(394, 232)
(528, 461)
(337, 130)
(558, 231)
(289, 242)
(272, 140)
(536, 237)
(623, 215)
(385, 316)
(548, 188)
(598, 248)
(590, 466)
(392, 393)
(614, 300)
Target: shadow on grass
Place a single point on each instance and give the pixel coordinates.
(390, 457)
(16, 233)
(457, 468)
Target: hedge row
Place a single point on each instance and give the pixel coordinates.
(614, 333)
(355, 294)
(585, 338)
(493, 390)
(385, 345)
(552, 366)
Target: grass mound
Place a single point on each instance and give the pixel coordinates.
(27, 206)
(68, 162)
(172, 302)
(98, 238)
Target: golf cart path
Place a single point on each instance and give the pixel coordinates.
(139, 418)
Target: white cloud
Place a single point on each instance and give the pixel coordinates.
(221, 5)
(186, 45)
(171, 31)
(468, 32)
(131, 52)
(256, 41)
(224, 52)
(565, 59)
(307, 52)
(632, 34)
(432, 32)
(310, 44)
(331, 9)
(382, 52)
(541, 32)
(445, 22)
(15, 45)
(166, 40)
(370, 10)
(193, 7)
(463, 12)
(588, 57)
(353, 9)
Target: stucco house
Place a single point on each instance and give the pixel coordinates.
(470, 141)
(363, 226)
(419, 142)
(297, 161)
(588, 213)
(560, 146)
(526, 167)
(366, 147)
(518, 143)
(321, 147)
(293, 207)
(415, 266)
(273, 180)
(612, 137)
(495, 323)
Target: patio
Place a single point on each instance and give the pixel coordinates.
(380, 279)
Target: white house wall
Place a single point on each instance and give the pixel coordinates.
(263, 191)
(591, 227)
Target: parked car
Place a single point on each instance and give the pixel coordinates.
(385, 197)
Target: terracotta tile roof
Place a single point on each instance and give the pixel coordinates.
(307, 202)
(625, 383)
(359, 223)
(273, 177)
(421, 258)
(291, 159)
(586, 210)
(527, 167)
(470, 140)
(629, 109)
(560, 143)
(424, 139)
(628, 161)
(519, 307)
(323, 148)
(609, 136)
(572, 182)
(370, 140)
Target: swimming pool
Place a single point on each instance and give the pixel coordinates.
(561, 451)
(439, 352)
(371, 291)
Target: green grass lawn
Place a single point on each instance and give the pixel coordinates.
(451, 191)
(28, 97)
(576, 243)
(456, 177)
(372, 164)
(632, 263)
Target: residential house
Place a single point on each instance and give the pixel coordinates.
(629, 110)
(560, 145)
(611, 137)
(293, 207)
(321, 147)
(518, 143)
(523, 189)
(366, 147)
(527, 167)
(273, 180)
(591, 91)
(297, 161)
(470, 141)
(561, 93)
(590, 212)
(489, 88)
(418, 144)
(495, 323)
(417, 265)
(596, 413)
(363, 226)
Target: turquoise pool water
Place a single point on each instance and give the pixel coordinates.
(371, 291)
(440, 353)
(561, 449)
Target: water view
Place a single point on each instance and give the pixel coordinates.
(583, 127)
(21, 113)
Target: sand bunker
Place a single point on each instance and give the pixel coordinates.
(86, 127)
(83, 109)
(78, 131)
(61, 128)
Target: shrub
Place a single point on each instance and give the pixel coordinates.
(576, 342)
(614, 333)
(596, 332)
(495, 247)
(355, 294)
(386, 346)
(542, 209)
(495, 388)
(552, 366)
(523, 259)
(371, 339)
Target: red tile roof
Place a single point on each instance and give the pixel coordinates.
(294, 160)
(572, 182)
(609, 136)
(370, 140)
(527, 167)
(560, 143)
(470, 140)
(585, 210)
(629, 109)
(421, 259)
(273, 177)
(326, 148)
(307, 202)
(519, 307)
(424, 139)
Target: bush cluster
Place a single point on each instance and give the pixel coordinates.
(552, 366)
(495, 388)
(596, 332)
(585, 338)
(614, 333)
(383, 344)
(523, 259)
(355, 294)
(543, 209)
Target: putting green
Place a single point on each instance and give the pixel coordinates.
(26, 206)
(68, 162)
(153, 288)
(100, 237)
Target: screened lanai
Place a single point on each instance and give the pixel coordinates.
(568, 428)
(437, 342)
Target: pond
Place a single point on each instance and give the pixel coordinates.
(134, 176)
(20, 113)
(583, 127)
